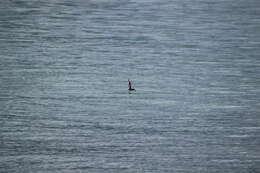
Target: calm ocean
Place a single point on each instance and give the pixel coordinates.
(64, 103)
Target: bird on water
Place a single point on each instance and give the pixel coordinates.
(130, 86)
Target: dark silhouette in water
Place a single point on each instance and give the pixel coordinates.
(130, 86)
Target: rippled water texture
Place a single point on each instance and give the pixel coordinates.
(64, 104)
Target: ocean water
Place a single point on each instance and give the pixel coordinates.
(64, 103)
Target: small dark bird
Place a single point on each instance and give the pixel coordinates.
(130, 86)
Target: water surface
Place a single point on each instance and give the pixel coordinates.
(64, 104)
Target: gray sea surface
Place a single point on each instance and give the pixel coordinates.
(64, 103)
